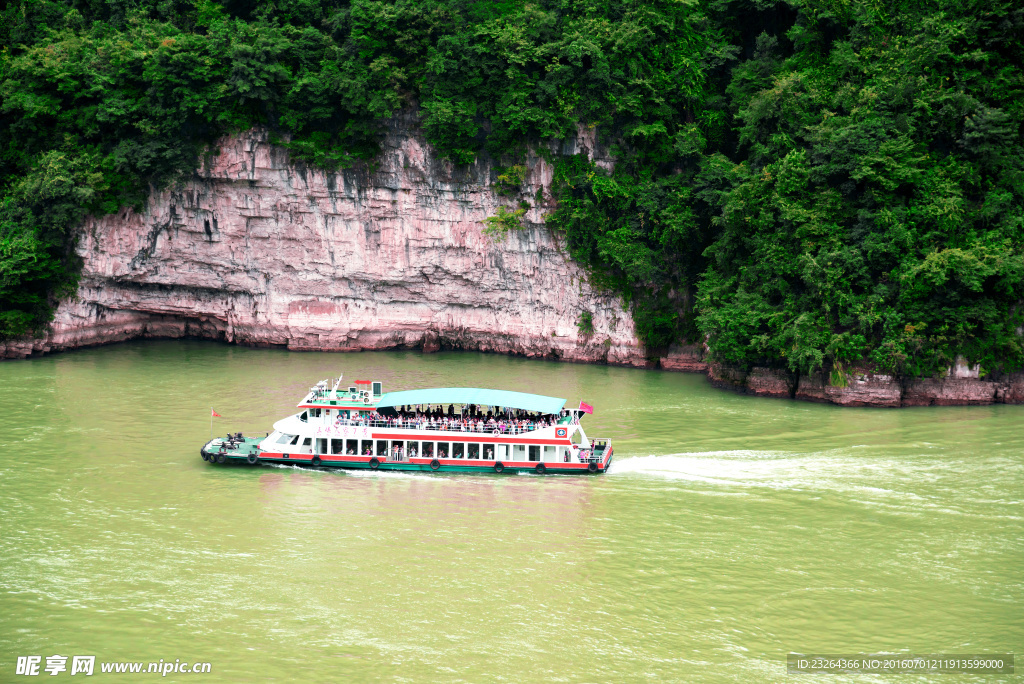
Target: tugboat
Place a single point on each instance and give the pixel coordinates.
(445, 429)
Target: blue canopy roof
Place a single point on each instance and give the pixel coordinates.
(473, 395)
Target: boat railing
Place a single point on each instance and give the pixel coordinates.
(454, 427)
(596, 453)
(330, 397)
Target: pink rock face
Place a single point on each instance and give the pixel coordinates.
(1010, 390)
(687, 359)
(811, 388)
(726, 377)
(949, 391)
(257, 250)
(866, 390)
(771, 382)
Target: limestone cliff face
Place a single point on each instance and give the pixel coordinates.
(257, 250)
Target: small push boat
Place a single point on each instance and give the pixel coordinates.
(445, 429)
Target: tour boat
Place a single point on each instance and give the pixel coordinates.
(445, 429)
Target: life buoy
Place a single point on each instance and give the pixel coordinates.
(495, 433)
(316, 460)
(540, 469)
(252, 459)
(435, 464)
(221, 458)
(499, 466)
(592, 467)
(374, 464)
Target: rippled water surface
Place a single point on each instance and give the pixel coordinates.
(730, 530)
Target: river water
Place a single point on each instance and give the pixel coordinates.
(730, 530)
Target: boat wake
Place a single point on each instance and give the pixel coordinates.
(843, 469)
(721, 467)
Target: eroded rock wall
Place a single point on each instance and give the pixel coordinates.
(960, 386)
(258, 250)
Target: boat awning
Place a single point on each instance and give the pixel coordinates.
(473, 395)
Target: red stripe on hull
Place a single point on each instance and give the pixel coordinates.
(340, 459)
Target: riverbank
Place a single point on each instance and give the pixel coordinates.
(961, 386)
(256, 250)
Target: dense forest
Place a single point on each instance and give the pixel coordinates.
(804, 184)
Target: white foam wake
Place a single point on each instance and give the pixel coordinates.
(840, 470)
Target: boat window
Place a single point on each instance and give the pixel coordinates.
(535, 452)
(321, 445)
(473, 451)
(315, 413)
(549, 453)
(563, 454)
(518, 452)
(488, 452)
(428, 450)
(382, 448)
(304, 416)
(285, 438)
(367, 448)
(351, 447)
(307, 441)
(443, 449)
(413, 449)
(458, 450)
(501, 452)
(295, 440)
(338, 446)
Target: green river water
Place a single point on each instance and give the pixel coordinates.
(730, 530)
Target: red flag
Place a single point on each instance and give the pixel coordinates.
(586, 408)
(215, 414)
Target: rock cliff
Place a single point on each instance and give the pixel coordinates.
(258, 250)
(960, 386)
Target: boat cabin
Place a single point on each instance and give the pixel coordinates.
(448, 425)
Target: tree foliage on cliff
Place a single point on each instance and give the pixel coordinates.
(850, 195)
(804, 183)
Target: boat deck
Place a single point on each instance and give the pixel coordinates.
(224, 449)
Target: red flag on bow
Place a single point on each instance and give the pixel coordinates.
(215, 414)
(586, 408)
